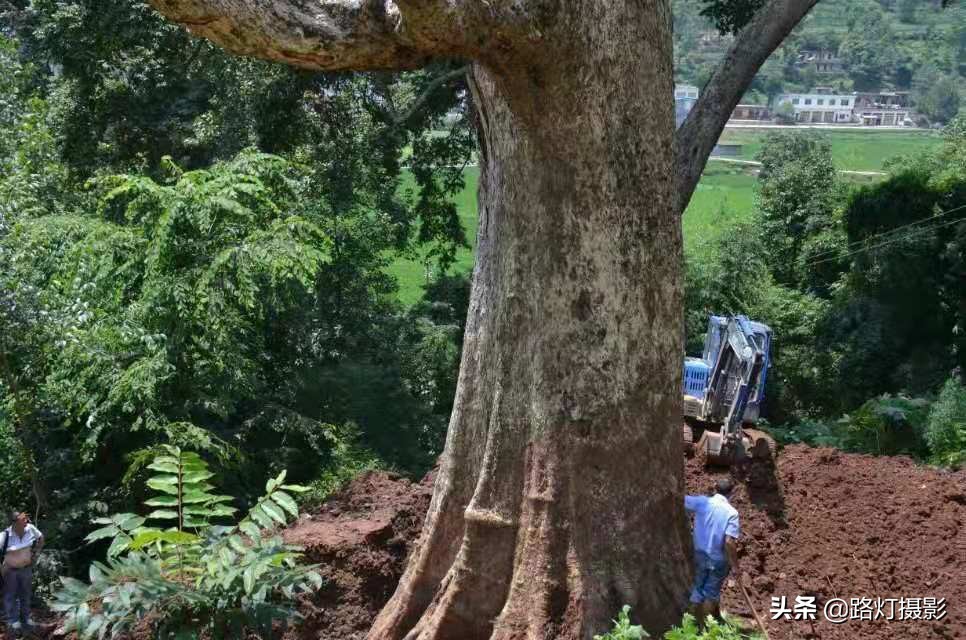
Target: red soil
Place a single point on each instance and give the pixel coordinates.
(360, 539)
(827, 524)
(835, 525)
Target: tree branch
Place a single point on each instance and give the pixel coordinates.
(329, 35)
(401, 119)
(699, 133)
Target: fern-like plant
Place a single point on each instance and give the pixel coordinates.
(190, 576)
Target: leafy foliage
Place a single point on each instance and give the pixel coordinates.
(688, 630)
(946, 426)
(797, 197)
(225, 308)
(192, 577)
(729, 16)
(623, 629)
(887, 426)
(712, 630)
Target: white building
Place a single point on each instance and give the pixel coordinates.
(824, 108)
(685, 91)
(685, 96)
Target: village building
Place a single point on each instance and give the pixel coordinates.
(755, 112)
(882, 108)
(819, 107)
(821, 60)
(685, 97)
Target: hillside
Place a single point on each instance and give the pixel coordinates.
(903, 45)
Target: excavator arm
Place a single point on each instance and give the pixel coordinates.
(734, 378)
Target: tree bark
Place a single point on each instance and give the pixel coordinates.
(560, 493)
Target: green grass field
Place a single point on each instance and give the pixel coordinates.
(854, 150)
(724, 196)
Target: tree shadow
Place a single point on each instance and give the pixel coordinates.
(760, 479)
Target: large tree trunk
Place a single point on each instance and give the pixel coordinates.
(559, 499)
(560, 493)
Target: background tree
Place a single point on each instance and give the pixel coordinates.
(941, 100)
(798, 193)
(867, 47)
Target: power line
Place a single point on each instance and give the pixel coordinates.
(886, 234)
(913, 233)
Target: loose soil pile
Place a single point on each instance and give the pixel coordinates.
(834, 525)
(821, 523)
(360, 538)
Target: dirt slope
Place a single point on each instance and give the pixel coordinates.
(834, 525)
(360, 538)
(821, 524)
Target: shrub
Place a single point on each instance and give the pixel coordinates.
(946, 426)
(189, 577)
(888, 425)
(814, 433)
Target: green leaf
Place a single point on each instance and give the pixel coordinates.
(162, 501)
(100, 534)
(119, 545)
(95, 574)
(263, 519)
(274, 511)
(170, 537)
(163, 486)
(249, 529)
(235, 542)
(296, 488)
(248, 578)
(197, 476)
(286, 502)
(165, 467)
(273, 483)
(163, 514)
(129, 521)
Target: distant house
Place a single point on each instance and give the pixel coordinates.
(819, 108)
(685, 96)
(882, 108)
(751, 112)
(821, 60)
(880, 99)
(685, 91)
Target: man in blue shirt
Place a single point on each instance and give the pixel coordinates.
(716, 531)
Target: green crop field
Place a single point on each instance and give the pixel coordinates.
(852, 149)
(724, 196)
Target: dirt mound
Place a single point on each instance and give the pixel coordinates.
(361, 538)
(831, 525)
(821, 523)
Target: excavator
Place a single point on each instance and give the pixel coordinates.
(723, 391)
